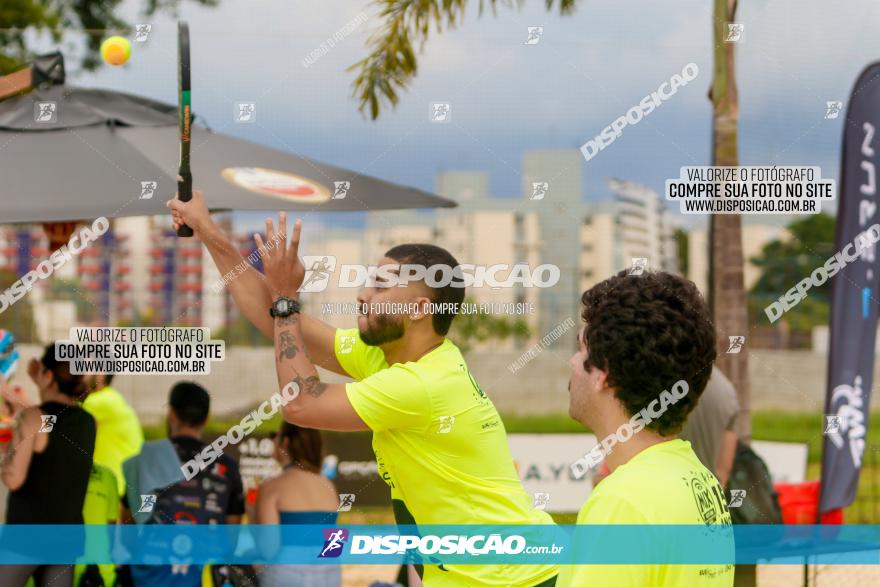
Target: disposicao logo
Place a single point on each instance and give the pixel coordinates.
(334, 542)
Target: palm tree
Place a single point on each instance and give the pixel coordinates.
(727, 294)
(392, 64)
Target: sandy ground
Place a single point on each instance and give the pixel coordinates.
(825, 575)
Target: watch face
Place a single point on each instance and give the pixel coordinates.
(282, 306)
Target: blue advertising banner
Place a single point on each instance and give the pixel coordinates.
(434, 545)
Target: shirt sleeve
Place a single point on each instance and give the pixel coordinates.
(393, 398)
(359, 359)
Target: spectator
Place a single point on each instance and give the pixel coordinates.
(48, 462)
(711, 427)
(119, 431)
(299, 495)
(214, 496)
(644, 357)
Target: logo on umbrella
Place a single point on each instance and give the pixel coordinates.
(277, 183)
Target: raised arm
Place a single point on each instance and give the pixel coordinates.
(248, 286)
(314, 404)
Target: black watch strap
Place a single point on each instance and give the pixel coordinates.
(283, 307)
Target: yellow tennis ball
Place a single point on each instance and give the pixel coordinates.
(115, 50)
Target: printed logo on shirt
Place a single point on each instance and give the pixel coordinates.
(709, 498)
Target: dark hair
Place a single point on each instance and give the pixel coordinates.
(647, 332)
(108, 378)
(190, 402)
(69, 384)
(304, 446)
(428, 255)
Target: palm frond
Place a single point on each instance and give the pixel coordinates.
(392, 62)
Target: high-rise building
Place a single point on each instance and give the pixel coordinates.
(90, 288)
(754, 236)
(644, 225)
(553, 188)
(175, 277)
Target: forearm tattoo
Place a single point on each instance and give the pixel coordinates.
(288, 346)
(287, 320)
(312, 385)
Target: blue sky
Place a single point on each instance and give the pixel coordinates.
(507, 97)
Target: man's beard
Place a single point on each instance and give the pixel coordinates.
(385, 330)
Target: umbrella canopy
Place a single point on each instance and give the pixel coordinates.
(71, 153)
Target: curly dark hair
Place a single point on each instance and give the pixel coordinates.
(647, 332)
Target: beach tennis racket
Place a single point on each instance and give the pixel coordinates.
(184, 105)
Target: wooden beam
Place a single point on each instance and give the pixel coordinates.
(16, 82)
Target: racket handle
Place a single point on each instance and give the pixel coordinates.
(184, 194)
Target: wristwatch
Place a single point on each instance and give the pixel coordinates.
(283, 307)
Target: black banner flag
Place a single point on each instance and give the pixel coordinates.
(854, 300)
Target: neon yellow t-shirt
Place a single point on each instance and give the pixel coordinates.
(119, 435)
(442, 449)
(664, 484)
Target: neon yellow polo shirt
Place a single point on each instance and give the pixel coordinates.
(442, 449)
(664, 484)
(119, 434)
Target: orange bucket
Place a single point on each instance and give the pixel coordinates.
(800, 503)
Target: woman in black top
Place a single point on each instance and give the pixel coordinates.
(47, 465)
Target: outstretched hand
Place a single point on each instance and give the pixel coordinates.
(281, 264)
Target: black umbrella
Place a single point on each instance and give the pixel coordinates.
(70, 153)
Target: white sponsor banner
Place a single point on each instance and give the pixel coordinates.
(787, 461)
(544, 465)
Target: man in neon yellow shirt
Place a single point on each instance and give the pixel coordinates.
(119, 435)
(644, 357)
(439, 442)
